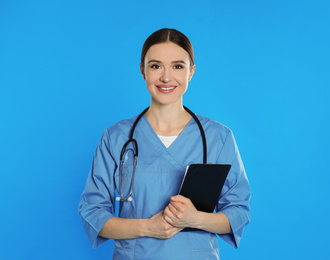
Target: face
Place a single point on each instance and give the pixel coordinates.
(167, 71)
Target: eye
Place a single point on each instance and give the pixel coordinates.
(155, 66)
(177, 67)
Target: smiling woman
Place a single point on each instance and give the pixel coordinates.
(167, 73)
(151, 214)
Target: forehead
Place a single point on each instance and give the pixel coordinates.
(167, 51)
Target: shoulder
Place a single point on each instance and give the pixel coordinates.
(220, 140)
(214, 129)
(121, 128)
(118, 131)
(116, 135)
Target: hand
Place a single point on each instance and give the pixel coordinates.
(158, 227)
(181, 212)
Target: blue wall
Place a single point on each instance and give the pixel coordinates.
(70, 69)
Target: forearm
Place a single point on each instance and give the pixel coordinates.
(213, 222)
(121, 228)
(182, 213)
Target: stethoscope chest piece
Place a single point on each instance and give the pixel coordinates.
(135, 152)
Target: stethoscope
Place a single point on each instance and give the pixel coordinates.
(136, 152)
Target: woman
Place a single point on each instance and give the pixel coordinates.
(149, 225)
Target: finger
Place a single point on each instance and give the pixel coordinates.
(173, 207)
(181, 199)
(168, 220)
(170, 212)
(173, 232)
(177, 230)
(176, 207)
(177, 212)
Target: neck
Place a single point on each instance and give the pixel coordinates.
(167, 120)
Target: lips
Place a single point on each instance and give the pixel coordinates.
(166, 89)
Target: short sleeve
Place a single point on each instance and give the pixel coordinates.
(235, 196)
(97, 202)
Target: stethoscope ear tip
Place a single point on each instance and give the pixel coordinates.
(129, 199)
(117, 198)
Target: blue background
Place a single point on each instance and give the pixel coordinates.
(70, 69)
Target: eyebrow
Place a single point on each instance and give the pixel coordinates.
(157, 61)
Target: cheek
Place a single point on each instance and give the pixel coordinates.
(151, 77)
(184, 79)
(149, 81)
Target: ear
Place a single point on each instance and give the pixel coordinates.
(142, 71)
(192, 71)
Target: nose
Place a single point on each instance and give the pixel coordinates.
(166, 75)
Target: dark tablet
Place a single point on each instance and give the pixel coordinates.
(202, 184)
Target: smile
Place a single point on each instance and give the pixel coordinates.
(166, 89)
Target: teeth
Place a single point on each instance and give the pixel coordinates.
(168, 88)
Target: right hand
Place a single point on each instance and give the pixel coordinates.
(159, 228)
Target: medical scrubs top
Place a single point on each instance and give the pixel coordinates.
(159, 173)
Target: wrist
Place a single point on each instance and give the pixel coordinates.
(198, 220)
(143, 228)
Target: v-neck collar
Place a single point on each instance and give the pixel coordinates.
(169, 154)
(145, 119)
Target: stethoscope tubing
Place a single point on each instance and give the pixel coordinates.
(136, 151)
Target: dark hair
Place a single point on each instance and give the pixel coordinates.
(168, 35)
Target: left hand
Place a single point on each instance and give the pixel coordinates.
(181, 212)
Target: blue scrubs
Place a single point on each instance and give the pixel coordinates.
(159, 173)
